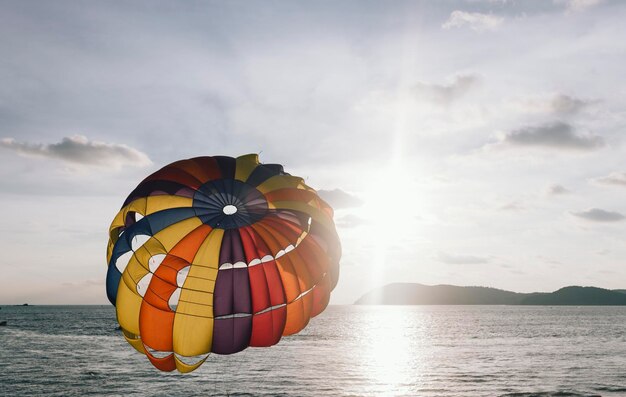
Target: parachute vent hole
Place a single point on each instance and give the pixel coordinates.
(229, 209)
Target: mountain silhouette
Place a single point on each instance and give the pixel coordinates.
(419, 294)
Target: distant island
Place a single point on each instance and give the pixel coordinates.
(419, 294)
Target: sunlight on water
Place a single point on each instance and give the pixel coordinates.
(390, 358)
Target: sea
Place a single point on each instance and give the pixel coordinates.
(519, 351)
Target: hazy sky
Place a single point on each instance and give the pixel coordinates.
(473, 142)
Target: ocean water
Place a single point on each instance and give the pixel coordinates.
(346, 351)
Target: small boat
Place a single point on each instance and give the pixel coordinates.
(3, 323)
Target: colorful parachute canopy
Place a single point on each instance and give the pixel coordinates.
(215, 254)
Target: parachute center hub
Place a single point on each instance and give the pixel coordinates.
(229, 209)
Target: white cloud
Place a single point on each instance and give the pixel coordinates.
(80, 150)
(561, 103)
(615, 178)
(338, 198)
(513, 206)
(599, 215)
(350, 221)
(461, 259)
(578, 5)
(445, 94)
(474, 20)
(556, 190)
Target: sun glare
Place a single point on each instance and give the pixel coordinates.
(390, 210)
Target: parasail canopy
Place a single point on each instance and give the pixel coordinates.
(215, 254)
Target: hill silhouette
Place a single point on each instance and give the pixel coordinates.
(419, 294)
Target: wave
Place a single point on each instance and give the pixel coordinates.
(550, 394)
(27, 333)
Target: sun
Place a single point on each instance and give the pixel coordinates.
(391, 204)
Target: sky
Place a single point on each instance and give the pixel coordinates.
(460, 142)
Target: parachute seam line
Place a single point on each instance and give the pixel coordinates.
(188, 173)
(265, 284)
(280, 280)
(149, 178)
(275, 260)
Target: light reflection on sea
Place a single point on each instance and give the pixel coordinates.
(348, 350)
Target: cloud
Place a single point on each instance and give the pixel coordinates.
(80, 150)
(513, 206)
(557, 135)
(351, 220)
(456, 259)
(578, 5)
(339, 199)
(566, 104)
(556, 190)
(615, 178)
(474, 20)
(444, 94)
(557, 104)
(83, 283)
(599, 215)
